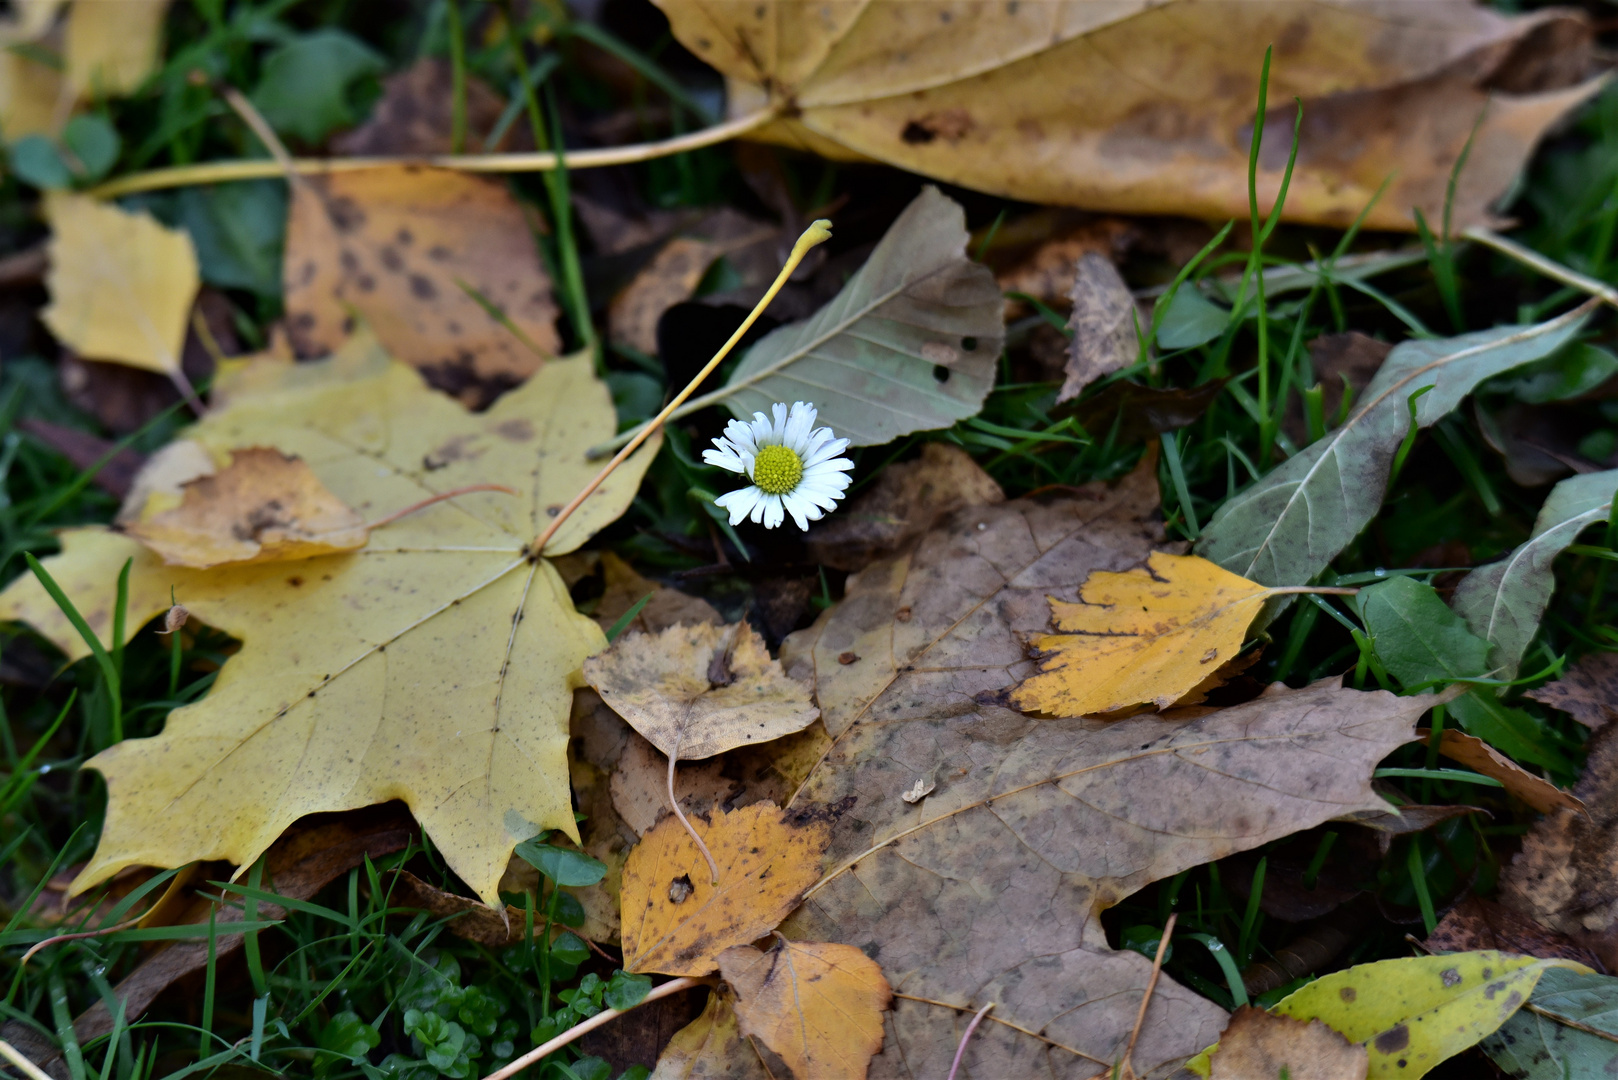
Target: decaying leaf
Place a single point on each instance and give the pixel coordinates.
(1150, 634)
(1414, 1012)
(261, 507)
(1502, 602)
(677, 921)
(640, 786)
(1287, 527)
(1587, 691)
(402, 246)
(697, 691)
(909, 344)
(1261, 1044)
(466, 918)
(818, 1005)
(624, 587)
(121, 284)
(1141, 107)
(1131, 413)
(1564, 877)
(903, 503)
(711, 1047)
(1479, 756)
(436, 665)
(415, 115)
(1037, 823)
(111, 46)
(1476, 924)
(1103, 325)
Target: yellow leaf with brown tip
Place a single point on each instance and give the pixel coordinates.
(1149, 634)
(262, 507)
(819, 1005)
(677, 921)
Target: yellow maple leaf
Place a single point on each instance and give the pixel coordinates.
(676, 921)
(817, 1004)
(113, 45)
(435, 665)
(121, 284)
(1149, 634)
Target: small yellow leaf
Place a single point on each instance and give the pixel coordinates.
(30, 89)
(676, 921)
(697, 691)
(402, 246)
(121, 284)
(711, 1047)
(262, 507)
(1150, 634)
(819, 1005)
(1412, 1013)
(113, 45)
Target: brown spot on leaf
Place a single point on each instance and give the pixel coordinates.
(1394, 1039)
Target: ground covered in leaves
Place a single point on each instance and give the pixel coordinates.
(1210, 670)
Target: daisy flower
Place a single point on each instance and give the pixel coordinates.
(793, 465)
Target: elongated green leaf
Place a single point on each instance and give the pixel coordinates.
(1503, 601)
(1420, 640)
(1542, 1044)
(1291, 523)
(909, 344)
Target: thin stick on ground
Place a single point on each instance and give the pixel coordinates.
(74, 937)
(23, 1065)
(425, 503)
(603, 1017)
(966, 1037)
(218, 172)
(818, 232)
(1549, 267)
(674, 804)
(1146, 998)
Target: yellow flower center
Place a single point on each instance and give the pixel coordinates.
(777, 469)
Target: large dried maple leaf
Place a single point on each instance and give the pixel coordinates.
(990, 886)
(435, 665)
(1146, 106)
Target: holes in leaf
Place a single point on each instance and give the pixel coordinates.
(941, 373)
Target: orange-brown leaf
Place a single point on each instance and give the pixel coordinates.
(819, 1005)
(677, 922)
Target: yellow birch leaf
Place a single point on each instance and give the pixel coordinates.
(113, 45)
(676, 921)
(1146, 106)
(121, 284)
(402, 246)
(697, 691)
(435, 665)
(1149, 634)
(1414, 1012)
(262, 507)
(818, 1005)
(711, 1047)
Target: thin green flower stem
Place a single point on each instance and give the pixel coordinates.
(818, 232)
(605, 1016)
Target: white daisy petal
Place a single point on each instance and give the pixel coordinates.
(740, 434)
(817, 439)
(778, 430)
(763, 432)
(773, 512)
(725, 458)
(739, 502)
(797, 505)
(800, 422)
(760, 508)
(826, 452)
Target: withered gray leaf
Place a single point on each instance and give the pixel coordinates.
(991, 887)
(1103, 325)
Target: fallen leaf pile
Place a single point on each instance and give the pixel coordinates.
(433, 665)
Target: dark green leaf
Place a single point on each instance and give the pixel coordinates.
(625, 991)
(1575, 370)
(94, 142)
(238, 230)
(1417, 636)
(36, 161)
(562, 865)
(304, 90)
(1190, 319)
